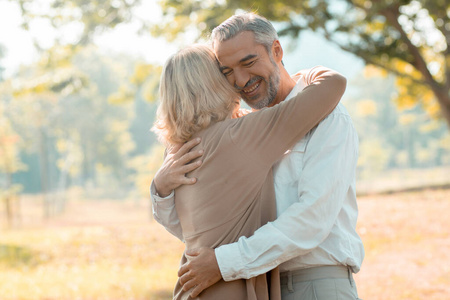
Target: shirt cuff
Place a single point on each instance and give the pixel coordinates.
(230, 261)
(165, 202)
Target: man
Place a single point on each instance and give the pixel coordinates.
(313, 239)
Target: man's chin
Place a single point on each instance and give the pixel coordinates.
(258, 104)
(253, 102)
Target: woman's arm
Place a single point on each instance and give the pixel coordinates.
(172, 174)
(265, 135)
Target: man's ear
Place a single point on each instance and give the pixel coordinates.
(277, 51)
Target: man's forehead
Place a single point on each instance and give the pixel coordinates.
(237, 49)
(246, 36)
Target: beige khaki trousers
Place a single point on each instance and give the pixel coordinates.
(319, 283)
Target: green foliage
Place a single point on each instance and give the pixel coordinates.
(77, 132)
(13, 255)
(96, 127)
(392, 139)
(92, 17)
(84, 114)
(145, 168)
(35, 98)
(145, 79)
(147, 76)
(406, 38)
(9, 146)
(125, 94)
(374, 157)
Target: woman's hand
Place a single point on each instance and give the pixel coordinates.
(176, 165)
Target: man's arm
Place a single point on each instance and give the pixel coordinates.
(329, 165)
(329, 169)
(171, 175)
(164, 212)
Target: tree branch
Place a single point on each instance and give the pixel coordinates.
(446, 34)
(391, 14)
(371, 61)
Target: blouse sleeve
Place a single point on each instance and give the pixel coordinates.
(265, 135)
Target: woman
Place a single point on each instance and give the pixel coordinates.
(234, 193)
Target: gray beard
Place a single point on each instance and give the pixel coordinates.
(273, 84)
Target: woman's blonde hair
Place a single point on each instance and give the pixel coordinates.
(193, 94)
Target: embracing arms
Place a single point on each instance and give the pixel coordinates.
(324, 90)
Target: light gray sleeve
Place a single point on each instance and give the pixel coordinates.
(164, 212)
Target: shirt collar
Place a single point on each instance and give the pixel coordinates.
(298, 87)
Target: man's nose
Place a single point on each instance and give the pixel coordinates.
(241, 78)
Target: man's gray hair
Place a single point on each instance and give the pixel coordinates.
(265, 33)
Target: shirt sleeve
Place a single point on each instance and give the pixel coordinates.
(328, 171)
(164, 212)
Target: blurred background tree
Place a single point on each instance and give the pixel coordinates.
(76, 21)
(79, 117)
(410, 39)
(79, 113)
(10, 163)
(78, 94)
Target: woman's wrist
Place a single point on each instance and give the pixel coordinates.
(161, 191)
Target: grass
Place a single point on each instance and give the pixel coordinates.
(406, 237)
(12, 255)
(97, 250)
(113, 250)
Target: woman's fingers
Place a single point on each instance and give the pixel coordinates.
(185, 148)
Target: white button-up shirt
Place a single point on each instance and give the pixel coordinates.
(316, 207)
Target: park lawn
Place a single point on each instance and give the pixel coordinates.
(113, 250)
(97, 250)
(407, 242)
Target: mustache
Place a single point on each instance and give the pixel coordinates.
(249, 83)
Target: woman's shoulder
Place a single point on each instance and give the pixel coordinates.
(216, 130)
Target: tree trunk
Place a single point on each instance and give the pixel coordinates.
(8, 201)
(443, 98)
(440, 91)
(8, 208)
(18, 210)
(43, 158)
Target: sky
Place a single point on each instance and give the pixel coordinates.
(20, 49)
(311, 49)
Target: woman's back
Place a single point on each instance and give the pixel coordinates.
(228, 187)
(233, 196)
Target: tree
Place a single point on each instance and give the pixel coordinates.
(76, 21)
(389, 138)
(9, 164)
(2, 53)
(410, 39)
(70, 89)
(34, 108)
(145, 168)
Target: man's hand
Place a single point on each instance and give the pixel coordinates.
(200, 272)
(172, 173)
